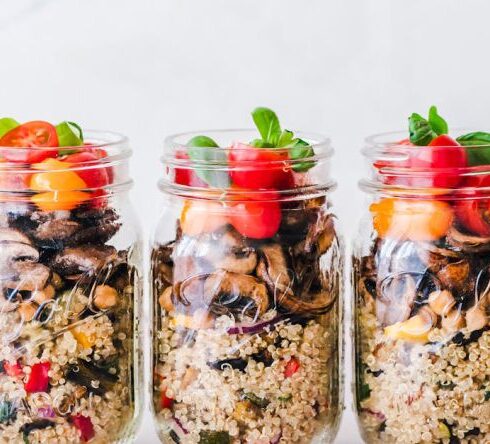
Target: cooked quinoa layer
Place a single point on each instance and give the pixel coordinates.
(437, 392)
(236, 383)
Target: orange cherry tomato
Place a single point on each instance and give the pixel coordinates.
(200, 216)
(59, 188)
(410, 219)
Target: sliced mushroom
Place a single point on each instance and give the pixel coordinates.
(87, 259)
(441, 302)
(56, 230)
(396, 296)
(321, 234)
(12, 252)
(29, 276)
(224, 290)
(12, 235)
(455, 275)
(273, 270)
(232, 254)
(468, 243)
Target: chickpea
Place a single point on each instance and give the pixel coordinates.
(27, 311)
(441, 302)
(105, 297)
(41, 296)
(165, 300)
(476, 318)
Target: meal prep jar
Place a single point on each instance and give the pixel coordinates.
(247, 316)
(70, 283)
(421, 281)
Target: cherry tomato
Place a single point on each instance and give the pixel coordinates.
(38, 379)
(410, 219)
(12, 369)
(94, 177)
(186, 176)
(259, 168)
(474, 214)
(34, 134)
(292, 367)
(84, 426)
(256, 219)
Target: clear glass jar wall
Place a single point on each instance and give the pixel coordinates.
(70, 283)
(246, 284)
(421, 282)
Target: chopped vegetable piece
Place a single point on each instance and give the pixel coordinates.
(285, 398)
(37, 424)
(12, 369)
(292, 367)
(255, 400)
(8, 412)
(95, 176)
(165, 401)
(364, 392)
(85, 374)
(209, 437)
(444, 431)
(85, 427)
(199, 217)
(415, 329)
(38, 379)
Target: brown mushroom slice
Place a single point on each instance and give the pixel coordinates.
(231, 291)
(321, 234)
(56, 229)
(87, 259)
(12, 252)
(455, 275)
(231, 253)
(12, 235)
(29, 276)
(320, 302)
(396, 296)
(468, 243)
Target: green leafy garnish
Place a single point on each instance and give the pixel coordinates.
(273, 136)
(423, 131)
(285, 398)
(7, 124)
(254, 399)
(364, 391)
(480, 155)
(197, 151)
(210, 437)
(69, 134)
(438, 124)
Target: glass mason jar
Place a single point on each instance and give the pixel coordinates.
(247, 343)
(421, 282)
(70, 283)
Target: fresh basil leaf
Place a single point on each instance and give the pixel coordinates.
(202, 148)
(286, 138)
(480, 155)
(299, 149)
(268, 124)
(437, 123)
(69, 134)
(259, 143)
(421, 133)
(7, 124)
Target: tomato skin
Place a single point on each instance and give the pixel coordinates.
(35, 134)
(256, 219)
(292, 367)
(96, 177)
(38, 379)
(165, 401)
(85, 427)
(259, 168)
(186, 176)
(12, 370)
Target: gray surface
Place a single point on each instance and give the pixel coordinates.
(148, 68)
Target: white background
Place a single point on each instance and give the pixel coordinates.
(148, 68)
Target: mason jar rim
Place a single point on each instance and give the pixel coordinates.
(114, 144)
(386, 153)
(227, 139)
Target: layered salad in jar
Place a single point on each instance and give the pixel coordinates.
(66, 293)
(421, 288)
(247, 312)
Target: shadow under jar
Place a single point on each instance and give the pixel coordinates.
(247, 299)
(69, 295)
(421, 282)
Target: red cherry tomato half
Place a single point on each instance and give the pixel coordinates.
(186, 176)
(165, 401)
(256, 219)
(85, 427)
(259, 168)
(95, 177)
(36, 134)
